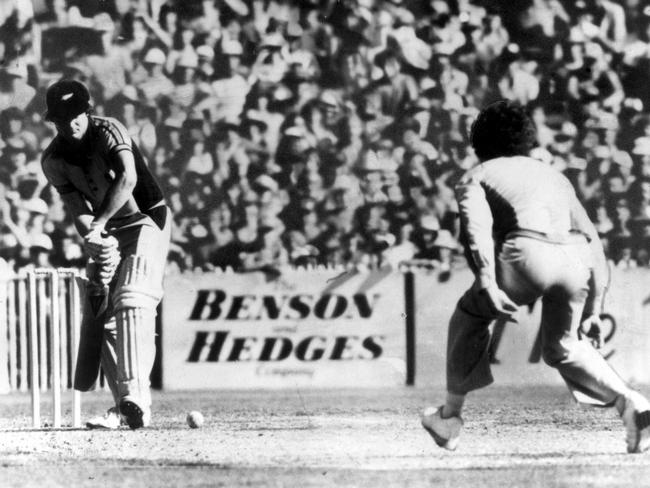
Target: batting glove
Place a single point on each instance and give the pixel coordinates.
(93, 241)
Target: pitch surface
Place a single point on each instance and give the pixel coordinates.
(512, 437)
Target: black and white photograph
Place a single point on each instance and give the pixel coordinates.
(325, 243)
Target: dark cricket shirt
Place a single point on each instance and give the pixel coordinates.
(90, 168)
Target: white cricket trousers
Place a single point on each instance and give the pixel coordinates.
(127, 362)
(529, 269)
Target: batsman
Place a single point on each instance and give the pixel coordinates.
(119, 210)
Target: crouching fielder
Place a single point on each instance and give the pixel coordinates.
(119, 210)
(528, 237)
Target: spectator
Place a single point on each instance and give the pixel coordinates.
(205, 70)
(14, 89)
(137, 118)
(519, 82)
(270, 66)
(445, 29)
(396, 89)
(597, 80)
(302, 63)
(418, 156)
(181, 48)
(109, 68)
(25, 221)
(12, 130)
(153, 83)
(318, 132)
(185, 89)
(613, 29)
(230, 91)
(452, 80)
(493, 39)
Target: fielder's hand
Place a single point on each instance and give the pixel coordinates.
(498, 301)
(590, 328)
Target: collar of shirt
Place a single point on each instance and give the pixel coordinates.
(76, 154)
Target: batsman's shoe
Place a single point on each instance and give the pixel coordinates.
(111, 420)
(636, 418)
(445, 431)
(135, 416)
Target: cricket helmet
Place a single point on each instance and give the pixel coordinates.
(66, 99)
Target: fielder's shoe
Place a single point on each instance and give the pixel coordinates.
(111, 420)
(134, 415)
(636, 418)
(445, 432)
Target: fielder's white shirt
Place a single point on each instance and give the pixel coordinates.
(508, 194)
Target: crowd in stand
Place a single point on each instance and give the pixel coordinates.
(326, 131)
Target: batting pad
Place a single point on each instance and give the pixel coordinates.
(135, 300)
(135, 287)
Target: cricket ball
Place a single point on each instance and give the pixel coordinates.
(195, 419)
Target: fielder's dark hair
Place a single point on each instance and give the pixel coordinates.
(503, 128)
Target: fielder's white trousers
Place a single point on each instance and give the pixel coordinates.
(529, 269)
